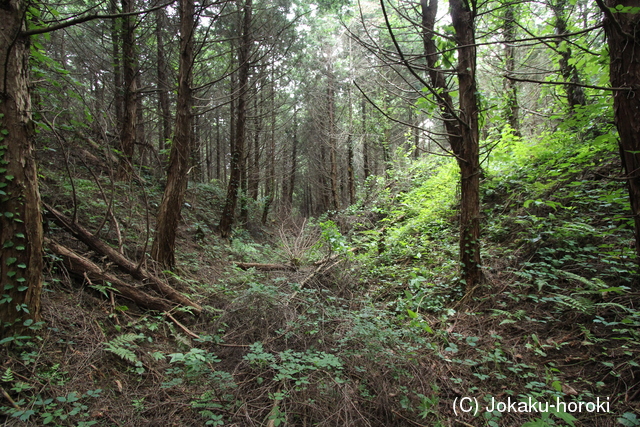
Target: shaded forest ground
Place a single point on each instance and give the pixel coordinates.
(372, 329)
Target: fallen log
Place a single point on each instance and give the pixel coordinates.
(126, 265)
(82, 267)
(264, 267)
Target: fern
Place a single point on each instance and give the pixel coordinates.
(580, 304)
(121, 346)
(7, 377)
(594, 284)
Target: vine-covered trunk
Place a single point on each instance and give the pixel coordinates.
(575, 92)
(20, 219)
(163, 249)
(624, 52)
(467, 148)
(461, 125)
(511, 108)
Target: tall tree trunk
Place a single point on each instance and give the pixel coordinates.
(270, 178)
(254, 174)
(294, 160)
(415, 132)
(218, 148)
(163, 249)
(163, 86)
(511, 108)
(128, 132)
(351, 179)
(237, 155)
(21, 221)
(624, 46)
(208, 151)
(365, 142)
(140, 131)
(467, 147)
(118, 100)
(333, 145)
(575, 93)
(461, 126)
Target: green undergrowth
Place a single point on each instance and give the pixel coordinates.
(557, 315)
(367, 329)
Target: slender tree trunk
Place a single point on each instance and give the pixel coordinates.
(218, 148)
(128, 132)
(118, 101)
(237, 155)
(468, 147)
(415, 132)
(624, 46)
(575, 94)
(351, 179)
(163, 86)
(270, 179)
(208, 151)
(511, 108)
(163, 249)
(254, 174)
(461, 126)
(244, 206)
(21, 221)
(140, 131)
(365, 142)
(294, 160)
(333, 145)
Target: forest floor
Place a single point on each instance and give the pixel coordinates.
(332, 343)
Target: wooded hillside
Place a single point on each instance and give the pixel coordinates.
(330, 213)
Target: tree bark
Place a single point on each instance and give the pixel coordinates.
(467, 147)
(333, 145)
(461, 126)
(20, 219)
(128, 132)
(117, 68)
(163, 249)
(163, 86)
(624, 46)
(511, 108)
(237, 156)
(254, 173)
(270, 178)
(575, 93)
(365, 142)
(294, 161)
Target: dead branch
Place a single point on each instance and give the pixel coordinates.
(83, 267)
(264, 267)
(123, 263)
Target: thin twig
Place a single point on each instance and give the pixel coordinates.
(181, 326)
(6, 395)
